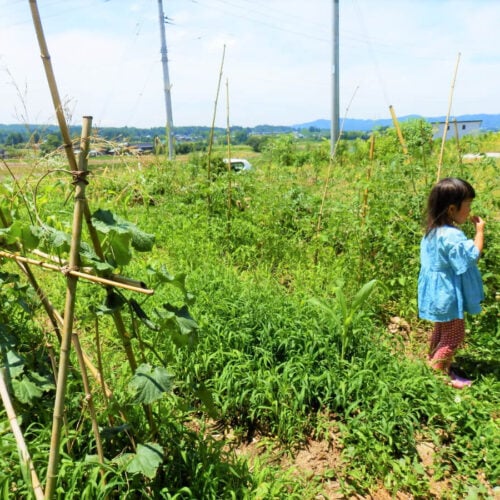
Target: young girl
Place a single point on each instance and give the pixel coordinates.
(449, 282)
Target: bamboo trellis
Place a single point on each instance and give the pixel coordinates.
(67, 336)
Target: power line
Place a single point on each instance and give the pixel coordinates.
(210, 5)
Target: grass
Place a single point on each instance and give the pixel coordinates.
(293, 341)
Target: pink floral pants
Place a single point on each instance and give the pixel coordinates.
(445, 340)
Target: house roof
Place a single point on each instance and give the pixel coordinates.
(457, 121)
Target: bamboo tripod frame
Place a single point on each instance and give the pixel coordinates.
(67, 336)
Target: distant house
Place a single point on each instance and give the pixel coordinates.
(141, 148)
(457, 128)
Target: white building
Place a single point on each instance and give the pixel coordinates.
(457, 128)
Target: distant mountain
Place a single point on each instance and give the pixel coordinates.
(489, 122)
(22, 132)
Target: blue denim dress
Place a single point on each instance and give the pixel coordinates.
(449, 281)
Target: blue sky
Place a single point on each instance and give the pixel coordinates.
(277, 66)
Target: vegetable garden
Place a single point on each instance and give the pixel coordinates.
(283, 317)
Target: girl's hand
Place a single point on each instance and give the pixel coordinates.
(478, 222)
(479, 239)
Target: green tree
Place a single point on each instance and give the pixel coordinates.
(257, 142)
(14, 138)
(240, 136)
(51, 143)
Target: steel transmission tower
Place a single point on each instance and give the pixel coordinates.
(166, 80)
(334, 133)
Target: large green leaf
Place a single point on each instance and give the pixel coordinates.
(149, 384)
(183, 317)
(119, 248)
(20, 232)
(90, 258)
(359, 299)
(363, 294)
(53, 238)
(31, 387)
(178, 322)
(116, 239)
(161, 275)
(146, 461)
(106, 222)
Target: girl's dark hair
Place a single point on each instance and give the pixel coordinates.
(449, 191)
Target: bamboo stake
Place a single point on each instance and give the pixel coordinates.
(328, 176)
(21, 445)
(450, 100)
(364, 209)
(459, 146)
(89, 270)
(121, 282)
(68, 146)
(398, 130)
(211, 141)
(72, 161)
(100, 367)
(83, 164)
(229, 169)
(69, 310)
(49, 72)
(88, 398)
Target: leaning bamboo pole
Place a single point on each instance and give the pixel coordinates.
(229, 169)
(21, 445)
(212, 129)
(89, 398)
(120, 282)
(49, 72)
(16, 430)
(67, 332)
(398, 130)
(85, 147)
(319, 223)
(63, 126)
(447, 121)
(364, 206)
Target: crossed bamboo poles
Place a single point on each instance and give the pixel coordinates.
(81, 213)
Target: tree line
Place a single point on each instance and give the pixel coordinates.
(47, 138)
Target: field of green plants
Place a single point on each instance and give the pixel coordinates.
(283, 321)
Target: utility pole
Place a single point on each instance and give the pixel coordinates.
(166, 81)
(334, 133)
